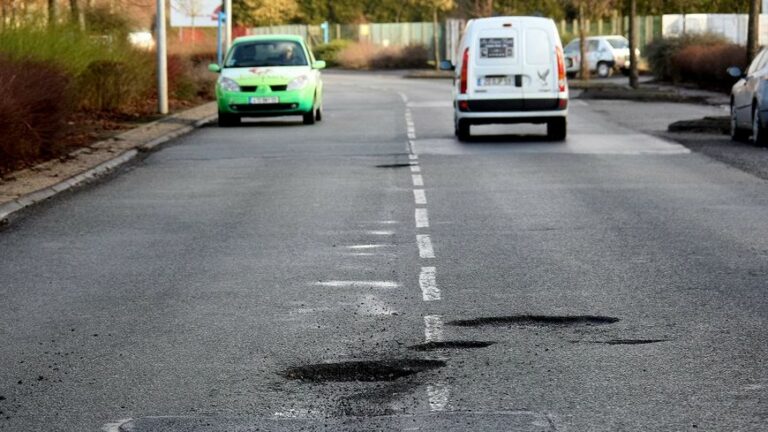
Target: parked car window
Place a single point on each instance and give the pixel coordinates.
(573, 46)
(267, 53)
(618, 43)
(593, 45)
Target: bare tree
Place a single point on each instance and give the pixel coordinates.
(191, 8)
(633, 76)
(588, 9)
(52, 12)
(436, 6)
(477, 8)
(753, 29)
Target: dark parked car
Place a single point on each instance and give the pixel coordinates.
(749, 101)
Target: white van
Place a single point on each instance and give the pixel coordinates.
(510, 70)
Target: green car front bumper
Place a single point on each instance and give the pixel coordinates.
(291, 102)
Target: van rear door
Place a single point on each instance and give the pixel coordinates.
(496, 64)
(539, 67)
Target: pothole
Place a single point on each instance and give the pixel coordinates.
(433, 346)
(395, 165)
(631, 341)
(382, 370)
(536, 320)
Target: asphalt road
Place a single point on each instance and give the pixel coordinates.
(372, 273)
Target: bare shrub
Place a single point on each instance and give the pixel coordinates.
(357, 55)
(31, 116)
(368, 56)
(705, 65)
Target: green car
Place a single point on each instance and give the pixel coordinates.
(266, 76)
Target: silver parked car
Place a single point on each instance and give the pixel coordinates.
(749, 101)
(604, 55)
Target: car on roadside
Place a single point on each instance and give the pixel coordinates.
(510, 70)
(749, 101)
(267, 76)
(605, 54)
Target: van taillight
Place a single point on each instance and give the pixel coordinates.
(464, 72)
(560, 70)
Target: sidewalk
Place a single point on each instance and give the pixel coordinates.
(21, 189)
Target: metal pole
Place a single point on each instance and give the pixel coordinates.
(228, 23)
(219, 55)
(162, 60)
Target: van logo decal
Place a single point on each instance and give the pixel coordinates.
(543, 75)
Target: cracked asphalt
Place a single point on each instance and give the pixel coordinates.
(346, 277)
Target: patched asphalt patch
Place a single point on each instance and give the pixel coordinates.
(395, 165)
(381, 370)
(433, 346)
(536, 320)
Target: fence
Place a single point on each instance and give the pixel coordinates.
(449, 32)
(732, 26)
(385, 34)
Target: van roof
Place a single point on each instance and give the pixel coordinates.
(495, 21)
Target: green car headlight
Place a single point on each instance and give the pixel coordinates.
(228, 84)
(298, 83)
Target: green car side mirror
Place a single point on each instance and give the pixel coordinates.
(319, 64)
(213, 67)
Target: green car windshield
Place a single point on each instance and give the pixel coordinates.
(266, 53)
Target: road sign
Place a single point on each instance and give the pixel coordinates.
(195, 13)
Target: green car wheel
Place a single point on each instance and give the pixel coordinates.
(228, 120)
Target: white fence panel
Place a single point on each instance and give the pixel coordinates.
(731, 26)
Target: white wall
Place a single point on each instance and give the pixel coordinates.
(732, 26)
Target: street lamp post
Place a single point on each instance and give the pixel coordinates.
(162, 60)
(228, 25)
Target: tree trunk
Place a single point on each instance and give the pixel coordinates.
(74, 11)
(753, 30)
(584, 66)
(633, 76)
(436, 38)
(52, 12)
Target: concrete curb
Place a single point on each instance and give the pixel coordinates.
(8, 209)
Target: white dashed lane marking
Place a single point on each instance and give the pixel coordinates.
(438, 395)
(422, 218)
(428, 284)
(425, 246)
(418, 180)
(433, 328)
(419, 196)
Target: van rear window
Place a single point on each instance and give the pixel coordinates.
(497, 47)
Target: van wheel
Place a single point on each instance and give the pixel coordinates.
(319, 114)
(557, 129)
(604, 70)
(228, 120)
(462, 130)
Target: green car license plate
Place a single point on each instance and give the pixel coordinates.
(263, 100)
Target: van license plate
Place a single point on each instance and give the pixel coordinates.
(495, 81)
(263, 100)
